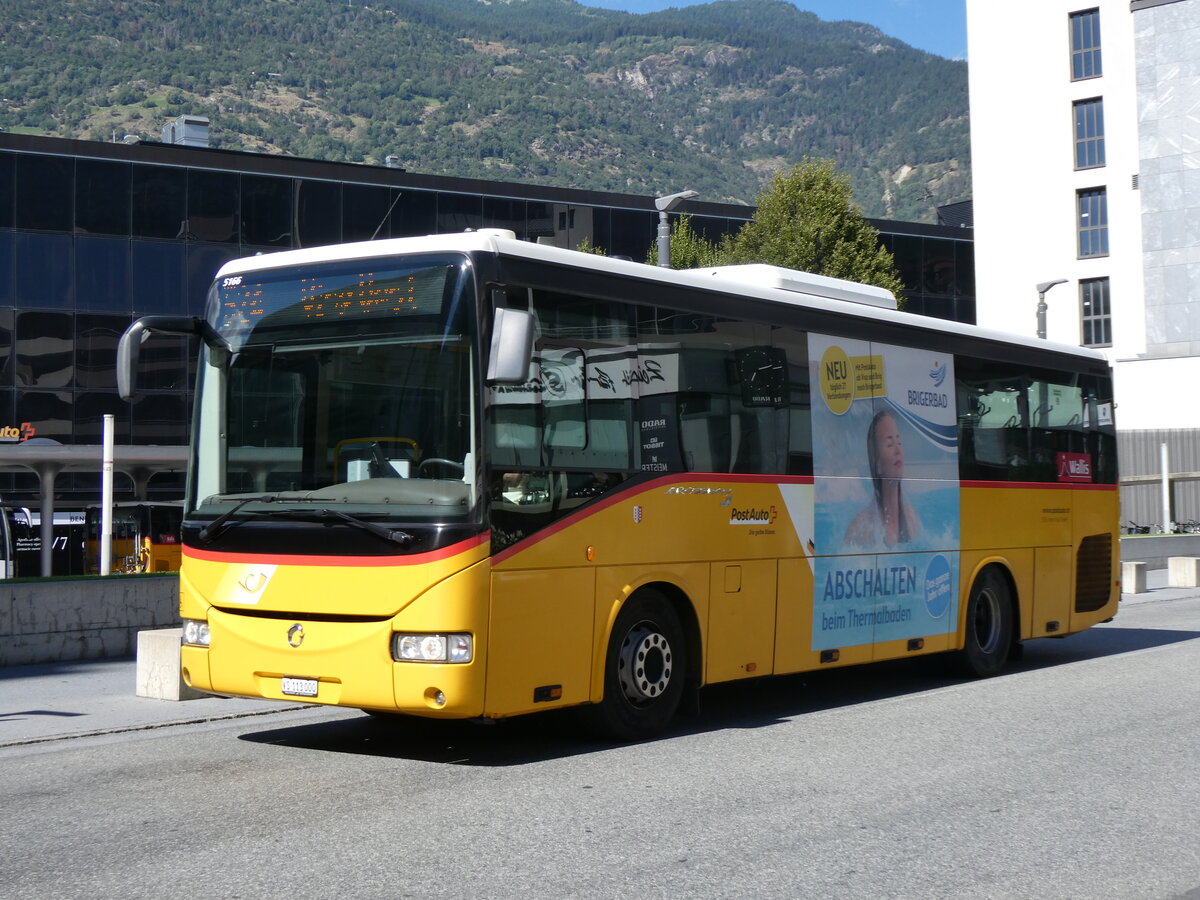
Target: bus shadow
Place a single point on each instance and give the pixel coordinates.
(555, 734)
(756, 703)
(762, 703)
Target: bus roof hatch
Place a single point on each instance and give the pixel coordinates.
(777, 277)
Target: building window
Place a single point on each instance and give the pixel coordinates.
(1089, 133)
(45, 192)
(1085, 45)
(102, 197)
(319, 213)
(1093, 222)
(159, 201)
(266, 211)
(212, 204)
(1096, 315)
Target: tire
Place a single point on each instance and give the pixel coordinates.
(989, 626)
(645, 669)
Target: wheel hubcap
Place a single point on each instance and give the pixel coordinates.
(644, 664)
(987, 621)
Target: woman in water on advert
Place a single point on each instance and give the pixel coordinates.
(889, 519)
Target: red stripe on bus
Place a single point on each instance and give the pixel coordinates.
(415, 559)
(1040, 485)
(642, 488)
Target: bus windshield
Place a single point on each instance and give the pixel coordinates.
(339, 390)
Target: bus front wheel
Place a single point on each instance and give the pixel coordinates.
(989, 626)
(645, 669)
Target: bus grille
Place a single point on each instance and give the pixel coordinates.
(299, 616)
(1093, 572)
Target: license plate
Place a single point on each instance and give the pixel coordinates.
(300, 687)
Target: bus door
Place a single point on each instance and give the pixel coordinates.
(8, 562)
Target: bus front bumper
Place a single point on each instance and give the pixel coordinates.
(332, 663)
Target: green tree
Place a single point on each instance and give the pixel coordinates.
(586, 246)
(807, 220)
(689, 248)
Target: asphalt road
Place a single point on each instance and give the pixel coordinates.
(1075, 774)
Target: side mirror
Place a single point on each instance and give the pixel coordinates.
(130, 346)
(512, 347)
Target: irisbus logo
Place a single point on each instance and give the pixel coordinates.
(12, 434)
(691, 490)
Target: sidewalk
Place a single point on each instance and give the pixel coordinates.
(71, 699)
(96, 696)
(1156, 590)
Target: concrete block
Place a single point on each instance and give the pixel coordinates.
(158, 670)
(1183, 571)
(1133, 577)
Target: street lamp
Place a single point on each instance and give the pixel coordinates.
(664, 205)
(1041, 310)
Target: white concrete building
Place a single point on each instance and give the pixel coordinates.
(1085, 142)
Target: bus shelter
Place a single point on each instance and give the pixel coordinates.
(47, 460)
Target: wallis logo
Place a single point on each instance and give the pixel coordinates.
(11, 434)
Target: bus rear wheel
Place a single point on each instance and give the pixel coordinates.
(989, 626)
(645, 668)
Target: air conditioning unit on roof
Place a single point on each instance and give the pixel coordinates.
(760, 275)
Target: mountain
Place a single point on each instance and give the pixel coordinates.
(714, 98)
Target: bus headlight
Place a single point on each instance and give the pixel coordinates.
(453, 648)
(196, 633)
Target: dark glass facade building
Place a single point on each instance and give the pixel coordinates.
(93, 235)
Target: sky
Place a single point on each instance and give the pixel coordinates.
(936, 26)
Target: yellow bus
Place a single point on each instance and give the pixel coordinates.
(474, 477)
(145, 537)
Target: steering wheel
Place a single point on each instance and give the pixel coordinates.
(432, 461)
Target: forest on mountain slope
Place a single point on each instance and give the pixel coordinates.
(715, 98)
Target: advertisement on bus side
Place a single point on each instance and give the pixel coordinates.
(885, 465)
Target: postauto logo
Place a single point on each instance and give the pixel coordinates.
(12, 434)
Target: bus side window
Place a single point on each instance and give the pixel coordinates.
(514, 433)
(1098, 429)
(564, 424)
(1022, 424)
(522, 503)
(575, 413)
(705, 432)
(794, 432)
(993, 419)
(1057, 421)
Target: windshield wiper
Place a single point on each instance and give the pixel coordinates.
(209, 531)
(395, 535)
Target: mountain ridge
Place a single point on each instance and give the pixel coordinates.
(715, 97)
